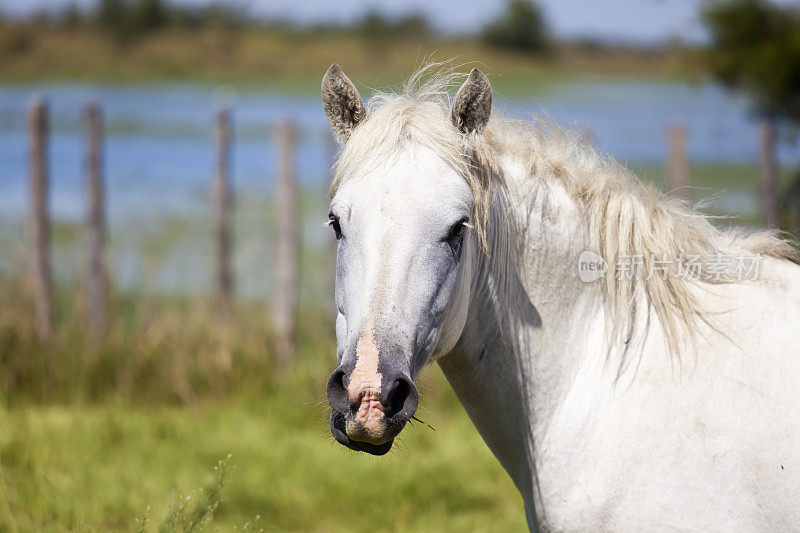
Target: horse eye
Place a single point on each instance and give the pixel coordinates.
(457, 230)
(333, 221)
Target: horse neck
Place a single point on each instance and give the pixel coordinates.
(530, 324)
(547, 318)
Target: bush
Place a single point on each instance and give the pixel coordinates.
(521, 28)
(156, 350)
(755, 46)
(375, 27)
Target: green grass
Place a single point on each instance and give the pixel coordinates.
(98, 467)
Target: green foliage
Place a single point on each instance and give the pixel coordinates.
(149, 15)
(130, 19)
(111, 13)
(375, 27)
(194, 512)
(141, 523)
(755, 47)
(70, 16)
(520, 28)
(208, 15)
(414, 25)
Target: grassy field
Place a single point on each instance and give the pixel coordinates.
(95, 432)
(257, 58)
(98, 468)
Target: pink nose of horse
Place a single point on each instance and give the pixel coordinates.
(369, 423)
(371, 411)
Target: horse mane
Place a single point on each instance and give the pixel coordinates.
(624, 216)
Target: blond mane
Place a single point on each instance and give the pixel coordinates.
(624, 216)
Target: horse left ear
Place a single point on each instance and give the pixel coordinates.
(342, 103)
(473, 103)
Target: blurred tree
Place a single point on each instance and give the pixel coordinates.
(71, 16)
(42, 17)
(521, 27)
(149, 15)
(755, 47)
(112, 16)
(373, 26)
(415, 25)
(213, 14)
(111, 13)
(128, 19)
(375, 30)
(222, 15)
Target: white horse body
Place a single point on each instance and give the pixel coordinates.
(710, 442)
(614, 405)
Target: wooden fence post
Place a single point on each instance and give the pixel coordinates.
(40, 218)
(224, 208)
(677, 162)
(97, 281)
(286, 247)
(769, 173)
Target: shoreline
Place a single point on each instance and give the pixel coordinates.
(256, 57)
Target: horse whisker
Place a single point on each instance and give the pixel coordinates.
(414, 418)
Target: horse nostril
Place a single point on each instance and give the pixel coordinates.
(397, 397)
(401, 398)
(337, 392)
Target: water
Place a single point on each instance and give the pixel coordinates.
(160, 147)
(159, 160)
(629, 120)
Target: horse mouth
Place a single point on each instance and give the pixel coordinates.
(339, 431)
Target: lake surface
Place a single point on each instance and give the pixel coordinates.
(159, 145)
(159, 155)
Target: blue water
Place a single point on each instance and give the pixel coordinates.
(159, 163)
(159, 146)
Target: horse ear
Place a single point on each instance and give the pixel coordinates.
(473, 103)
(342, 103)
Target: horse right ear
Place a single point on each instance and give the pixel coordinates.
(342, 103)
(473, 103)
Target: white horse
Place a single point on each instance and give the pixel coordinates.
(631, 366)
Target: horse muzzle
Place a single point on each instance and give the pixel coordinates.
(369, 413)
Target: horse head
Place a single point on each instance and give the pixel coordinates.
(402, 213)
